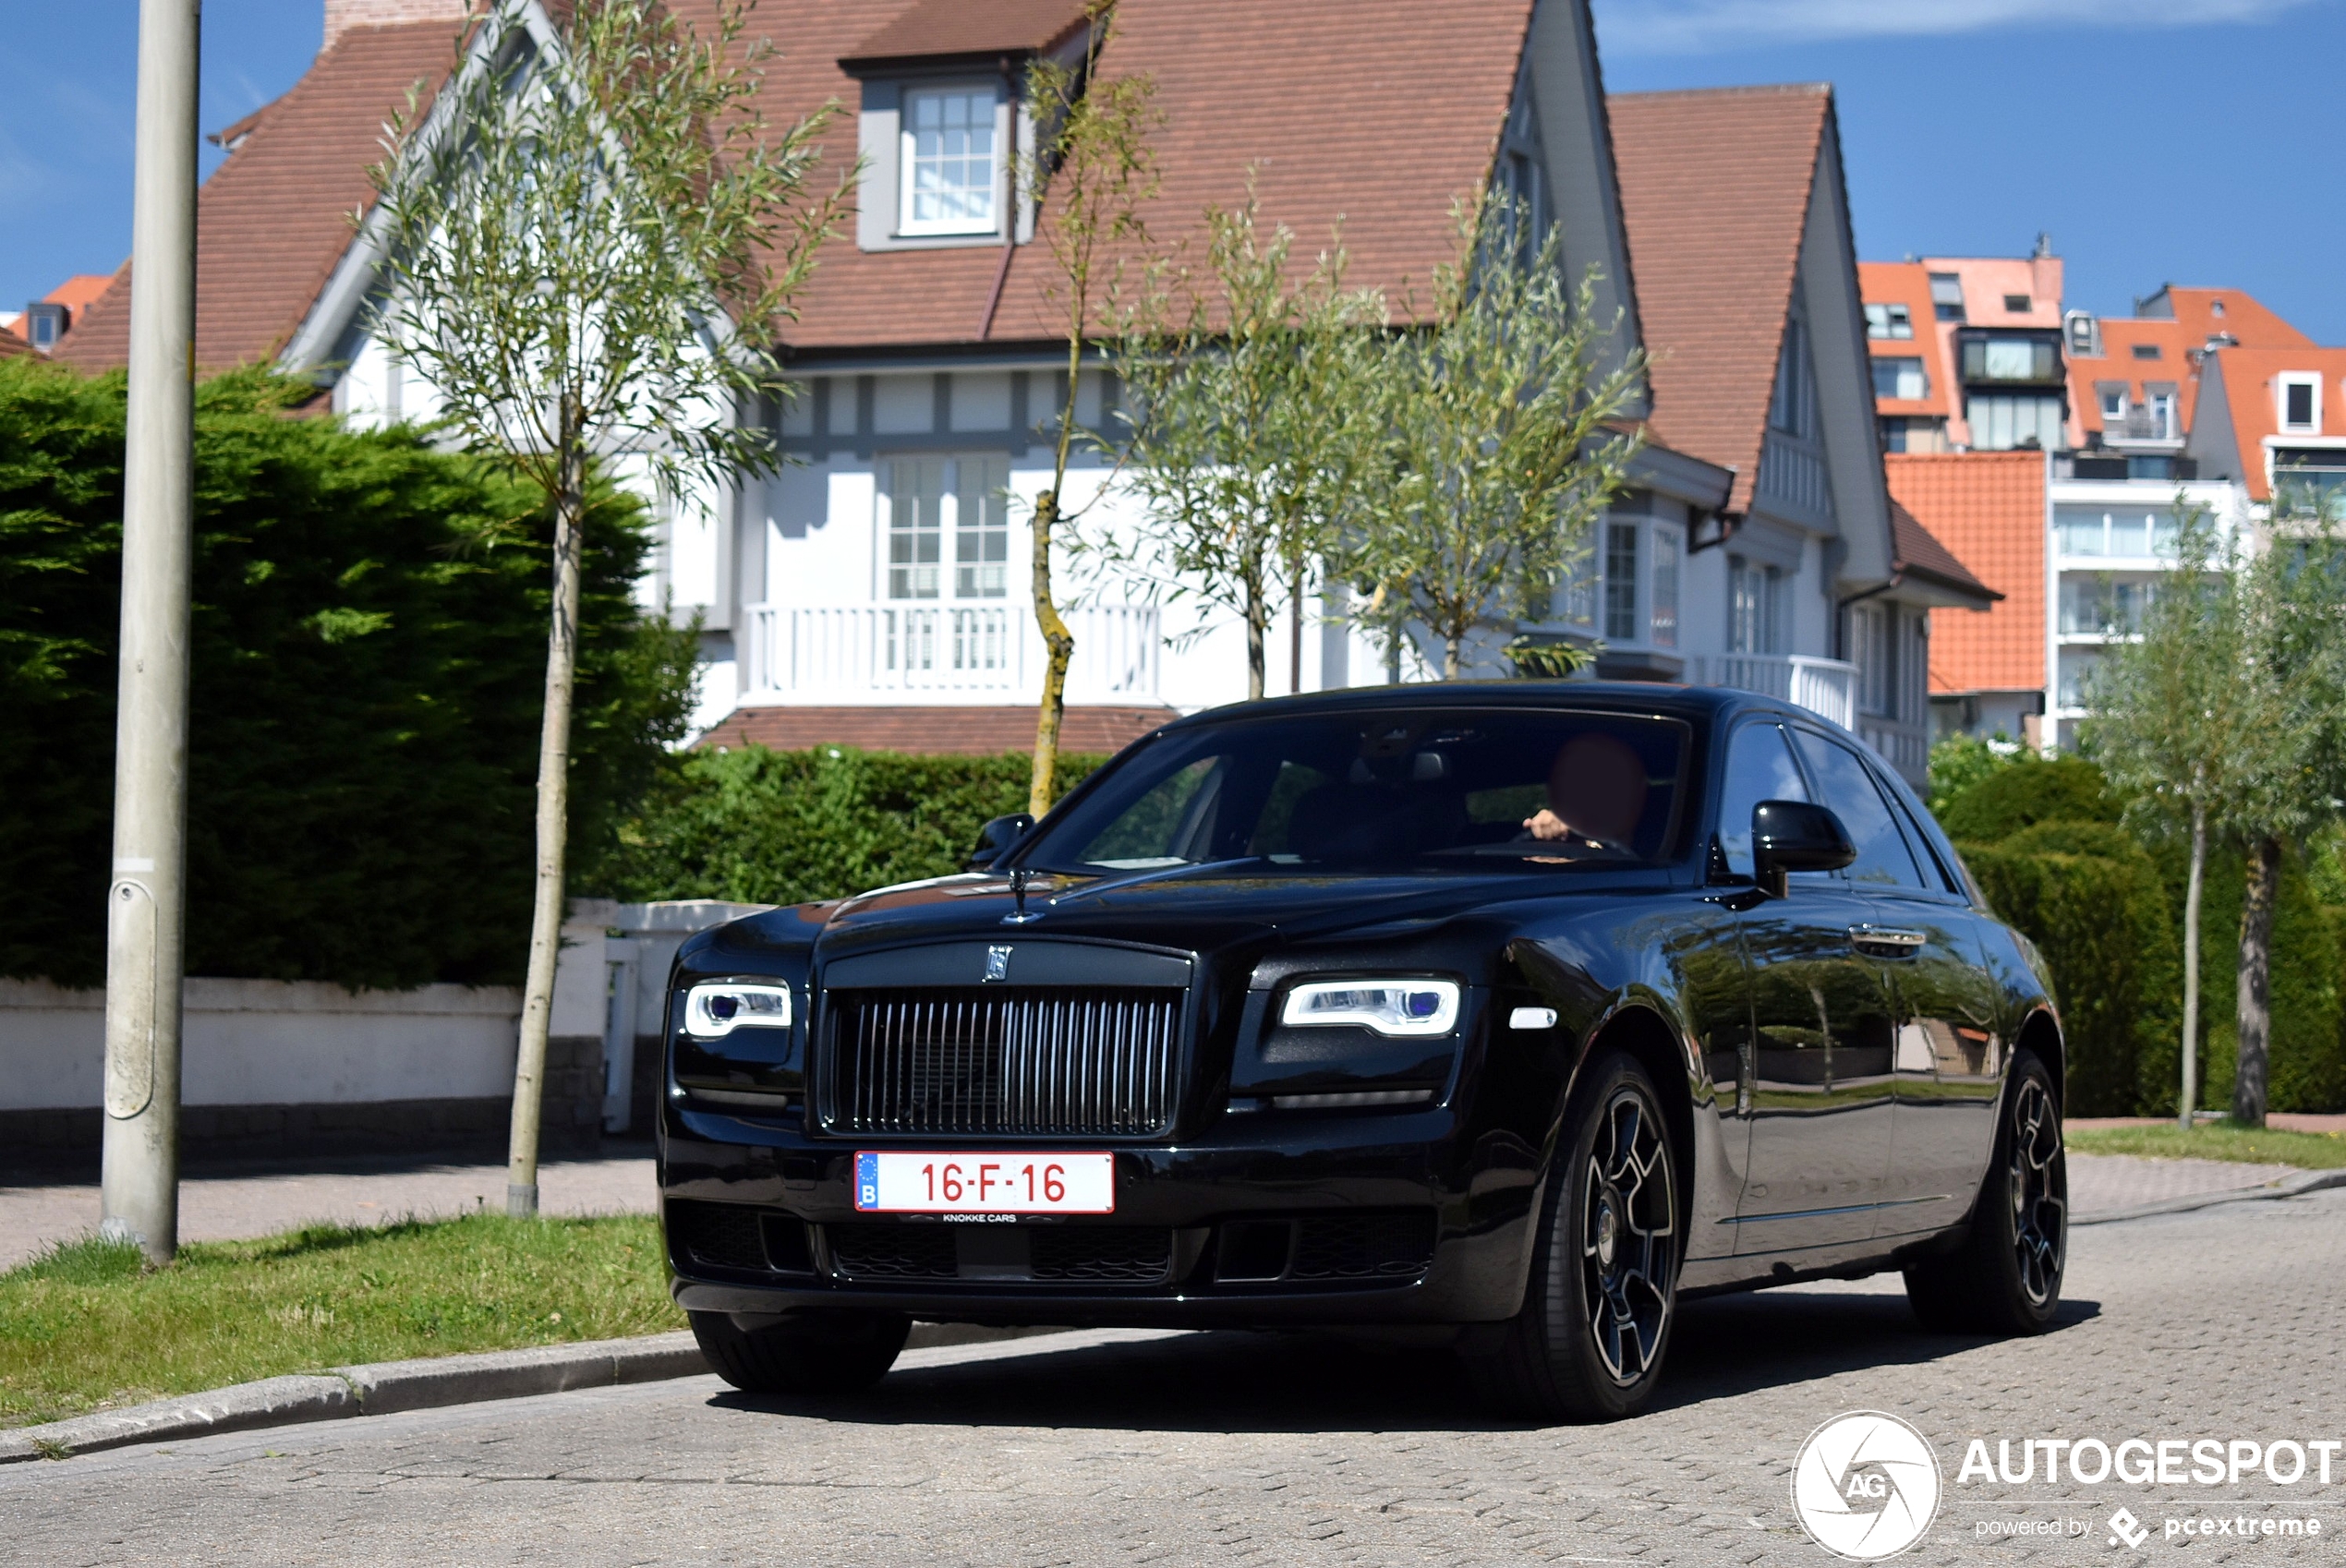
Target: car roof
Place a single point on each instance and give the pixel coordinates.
(1692, 703)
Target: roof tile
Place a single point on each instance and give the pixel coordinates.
(1988, 508)
(1715, 188)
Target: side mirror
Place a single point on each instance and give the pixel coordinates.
(996, 837)
(1794, 835)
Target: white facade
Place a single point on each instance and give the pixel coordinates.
(2109, 544)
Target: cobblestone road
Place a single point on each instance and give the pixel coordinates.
(1230, 1448)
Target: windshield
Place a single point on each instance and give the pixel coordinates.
(1383, 792)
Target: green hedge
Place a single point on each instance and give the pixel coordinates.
(366, 669)
(2090, 898)
(2043, 839)
(783, 827)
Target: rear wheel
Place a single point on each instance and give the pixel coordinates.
(1589, 1343)
(2005, 1278)
(817, 1352)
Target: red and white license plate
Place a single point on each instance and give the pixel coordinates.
(892, 1182)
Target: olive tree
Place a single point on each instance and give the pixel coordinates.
(583, 240)
(1500, 441)
(1247, 430)
(2167, 711)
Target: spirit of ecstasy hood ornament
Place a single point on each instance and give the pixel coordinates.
(1020, 916)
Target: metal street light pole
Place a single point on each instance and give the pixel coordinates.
(146, 904)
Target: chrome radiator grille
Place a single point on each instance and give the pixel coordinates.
(1044, 1062)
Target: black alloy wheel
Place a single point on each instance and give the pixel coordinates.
(2005, 1277)
(832, 1351)
(1589, 1343)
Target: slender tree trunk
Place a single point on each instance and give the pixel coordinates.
(1059, 644)
(2256, 981)
(1258, 618)
(1450, 645)
(1295, 630)
(553, 807)
(2189, 1101)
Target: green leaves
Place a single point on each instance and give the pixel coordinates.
(589, 243)
(1251, 429)
(1501, 443)
(363, 700)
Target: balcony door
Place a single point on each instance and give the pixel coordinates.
(945, 571)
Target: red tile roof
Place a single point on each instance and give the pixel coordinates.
(2252, 398)
(1908, 284)
(1715, 188)
(960, 732)
(929, 28)
(1377, 112)
(1987, 507)
(274, 219)
(1919, 553)
(1308, 94)
(2200, 314)
(12, 346)
(78, 292)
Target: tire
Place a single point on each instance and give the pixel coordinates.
(1590, 1341)
(828, 1351)
(2005, 1277)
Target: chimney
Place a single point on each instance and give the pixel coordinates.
(343, 15)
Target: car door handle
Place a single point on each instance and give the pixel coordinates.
(1888, 940)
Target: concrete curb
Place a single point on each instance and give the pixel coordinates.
(2313, 1181)
(384, 1388)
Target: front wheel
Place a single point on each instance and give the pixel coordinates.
(1589, 1343)
(2005, 1278)
(826, 1351)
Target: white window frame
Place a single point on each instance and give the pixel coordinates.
(1664, 567)
(1634, 611)
(2282, 385)
(2104, 393)
(906, 224)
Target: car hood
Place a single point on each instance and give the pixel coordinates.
(1197, 908)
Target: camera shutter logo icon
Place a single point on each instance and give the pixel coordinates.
(1864, 1486)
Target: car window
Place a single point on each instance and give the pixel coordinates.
(1925, 831)
(1845, 786)
(1760, 767)
(1385, 790)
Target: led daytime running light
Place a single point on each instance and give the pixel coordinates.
(1401, 1008)
(713, 1009)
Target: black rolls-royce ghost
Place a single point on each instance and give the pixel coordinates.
(1523, 1009)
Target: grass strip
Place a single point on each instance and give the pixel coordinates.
(2216, 1140)
(87, 1326)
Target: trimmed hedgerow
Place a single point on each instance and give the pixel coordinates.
(367, 659)
(783, 827)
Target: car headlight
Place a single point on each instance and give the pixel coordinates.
(715, 1009)
(1400, 1007)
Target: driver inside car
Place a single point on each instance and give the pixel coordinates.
(1596, 795)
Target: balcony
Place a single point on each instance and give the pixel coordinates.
(917, 653)
(1826, 687)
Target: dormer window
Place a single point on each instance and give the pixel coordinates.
(1891, 321)
(2301, 403)
(950, 168)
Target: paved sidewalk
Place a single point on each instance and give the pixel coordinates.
(228, 1205)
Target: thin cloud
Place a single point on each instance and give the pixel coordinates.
(1691, 27)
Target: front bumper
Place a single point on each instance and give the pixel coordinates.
(1217, 1205)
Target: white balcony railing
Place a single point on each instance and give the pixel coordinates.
(850, 654)
(1826, 687)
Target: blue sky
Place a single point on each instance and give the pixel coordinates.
(2191, 140)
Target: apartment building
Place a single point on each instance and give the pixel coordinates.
(2203, 399)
